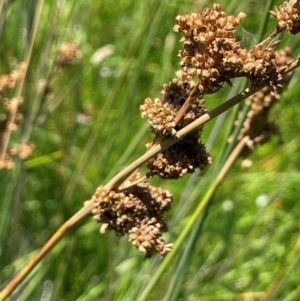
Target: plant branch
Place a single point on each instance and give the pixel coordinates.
(186, 105)
(187, 229)
(120, 177)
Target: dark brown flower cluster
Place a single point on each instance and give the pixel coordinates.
(256, 125)
(288, 16)
(137, 211)
(180, 159)
(187, 154)
(212, 54)
(67, 54)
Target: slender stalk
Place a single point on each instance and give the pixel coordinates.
(186, 105)
(57, 236)
(83, 212)
(186, 230)
(12, 116)
(119, 178)
(1, 7)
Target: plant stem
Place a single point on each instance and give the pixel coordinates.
(56, 237)
(187, 229)
(186, 105)
(120, 177)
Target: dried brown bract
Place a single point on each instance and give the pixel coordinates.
(137, 211)
(288, 16)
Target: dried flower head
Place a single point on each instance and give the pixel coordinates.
(209, 47)
(9, 81)
(67, 54)
(7, 162)
(22, 150)
(137, 211)
(212, 54)
(260, 66)
(256, 125)
(180, 159)
(288, 16)
(188, 154)
(162, 112)
(10, 119)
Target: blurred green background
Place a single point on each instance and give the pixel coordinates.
(84, 121)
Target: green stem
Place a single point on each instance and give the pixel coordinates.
(119, 178)
(192, 220)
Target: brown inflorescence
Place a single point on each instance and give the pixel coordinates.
(187, 154)
(67, 54)
(22, 150)
(211, 56)
(162, 111)
(11, 117)
(180, 159)
(137, 211)
(256, 125)
(212, 53)
(288, 16)
(9, 81)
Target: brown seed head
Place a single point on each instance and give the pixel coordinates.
(288, 16)
(67, 54)
(137, 211)
(256, 125)
(209, 37)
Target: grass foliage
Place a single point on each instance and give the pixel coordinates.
(84, 121)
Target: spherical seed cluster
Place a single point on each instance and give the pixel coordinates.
(145, 238)
(256, 125)
(161, 117)
(162, 112)
(212, 53)
(67, 53)
(138, 211)
(288, 16)
(210, 46)
(259, 66)
(179, 159)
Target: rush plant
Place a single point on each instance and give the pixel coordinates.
(211, 57)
